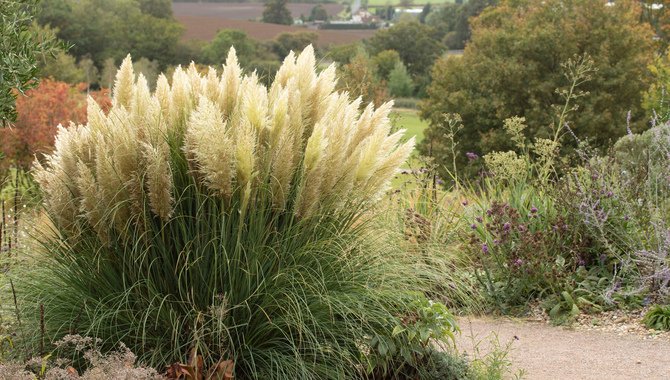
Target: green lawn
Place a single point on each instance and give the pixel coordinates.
(409, 119)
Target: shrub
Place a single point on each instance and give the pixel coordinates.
(226, 221)
(512, 67)
(400, 83)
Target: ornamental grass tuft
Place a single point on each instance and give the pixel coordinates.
(221, 218)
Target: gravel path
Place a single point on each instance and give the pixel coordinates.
(548, 352)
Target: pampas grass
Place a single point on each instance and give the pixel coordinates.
(221, 216)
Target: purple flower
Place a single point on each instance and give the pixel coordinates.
(533, 210)
(489, 212)
(496, 242)
(521, 228)
(479, 219)
(507, 226)
(518, 262)
(610, 194)
(485, 248)
(473, 226)
(439, 181)
(465, 202)
(626, 218)
(471, 156)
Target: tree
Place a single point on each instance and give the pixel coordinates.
(275, 12)
(452, 21)
(656, 100)
(20, 46)
(386, 61)
(216, 51)
(424, 13)
(39, 113)
(513, 67)
(400, 83)
(62, 67)
(359, 77)
(285, 42)
(157, 8)
(415, 42)
(318, 13)
(343, 54)
(102, 29)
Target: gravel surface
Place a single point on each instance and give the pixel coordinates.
(604, 350)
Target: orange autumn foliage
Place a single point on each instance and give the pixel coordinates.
(40, 112)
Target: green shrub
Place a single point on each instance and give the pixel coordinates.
(220, 219)
(658, 317)
(399, 82)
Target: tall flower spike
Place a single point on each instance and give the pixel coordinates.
(159, 180)
(229, 84)
(213, 157)
(123, 84)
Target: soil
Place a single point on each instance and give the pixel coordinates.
(544, 351)
(203, 20)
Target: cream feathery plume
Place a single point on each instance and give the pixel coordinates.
(253, 107)
(325, 85)
(368, 124)
(279, 119)
(229, 84)
(162, 94)
(181, 101)
(283, 169)
(312, 175)
(195, 79)
(123, 84)
(281, 147)
(58, 178)
(286, 71)
(139, 107)
(159, 181)
(89, 205)
(386, 170)
(245, 154)
(97, 121)
(211, 147)
(212, 85)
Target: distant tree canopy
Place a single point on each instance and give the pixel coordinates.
(105, 29)
(452, 21)
(285, 42)
(513, 67)
(39, 113)
(216, 51)
(276, 12)
(20, 46)
(416, 43)
(318, 13)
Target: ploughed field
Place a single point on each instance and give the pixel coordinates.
(245, 11)
(203, 20)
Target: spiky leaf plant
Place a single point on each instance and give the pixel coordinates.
(217, 217)
(658, 317)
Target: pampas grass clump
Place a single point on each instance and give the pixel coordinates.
(219, 218)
